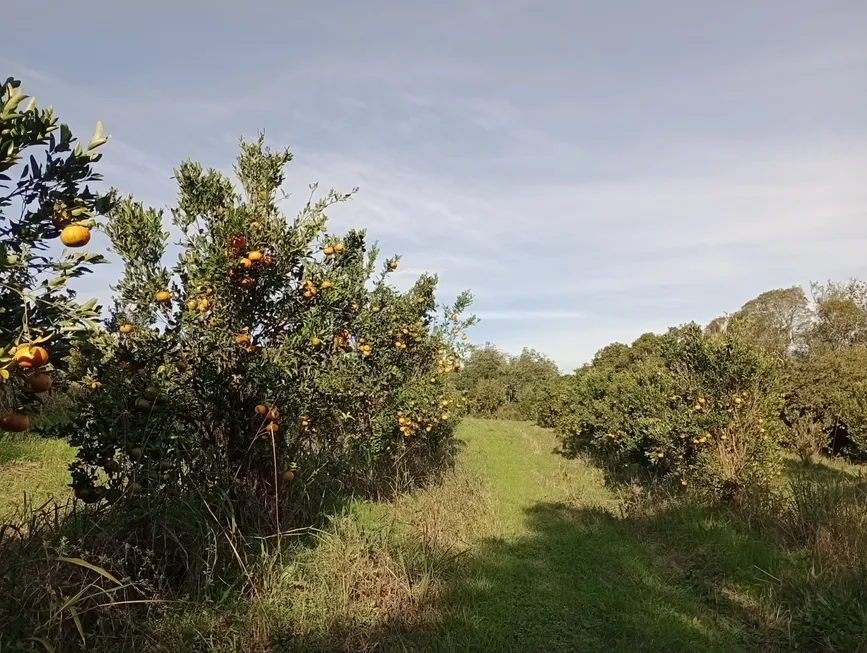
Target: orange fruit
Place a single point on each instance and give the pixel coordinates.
(238, 242)
(27, 356)
(273, 414)
(261, 409)
(315, 341)
(74, 235)
(392, 265)
(327, 284)
(38, 383)
(288, 475)
(421, 300)
(203, 305)
(255, 255)
(96, 385)
(272, 427)
(242, 338)
(125, 328)
(15, 423)
(192, 304)
(375, 309)
(454, 316)
(338, 247)
(245, 262)
(267, 260)
(246, 281)
(328, 251)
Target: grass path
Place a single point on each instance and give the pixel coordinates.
(551, 569)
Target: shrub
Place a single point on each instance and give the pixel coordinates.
(701, 408)
(807, 437)
(271, 365)
(49, 200)
(508, 387)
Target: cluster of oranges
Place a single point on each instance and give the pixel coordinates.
(364, 348)
(305, 423)
(28, 356)
(202, 302)
(308, 288)
(271, 415)
(409, 424)
(246, 263)
(447, 364)
(328, 250)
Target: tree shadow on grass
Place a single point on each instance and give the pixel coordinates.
(581, 580)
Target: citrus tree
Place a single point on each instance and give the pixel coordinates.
(44, 196)
(703, 409)
(270, 362)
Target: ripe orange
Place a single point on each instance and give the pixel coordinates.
(27, 356)
(288, 475)
(328, 251)
(95, 385)
(327, 284)
(255, 255)
(245, 262)
(272, 427)
(454, 316)
(315, 341)
(74, 235)
(392, 265)
(255, 224)
(192, 304)
(338, 247)
(261, 409)
(273, 414)
(242, 338)
(421, 300)
(204, 305)
(246, 281)
(125, 328)
(38, 383)
(375, 309)
(464, 337)
(15, 423)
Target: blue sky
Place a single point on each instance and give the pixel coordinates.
(591, 170)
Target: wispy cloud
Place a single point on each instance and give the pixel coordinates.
(591, 172)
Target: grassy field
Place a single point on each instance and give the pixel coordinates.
(35, 468)
(516, 549)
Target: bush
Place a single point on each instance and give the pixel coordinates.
(703, 409)
(271, 365)
(507, 387)
(49, 200)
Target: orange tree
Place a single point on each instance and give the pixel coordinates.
(700, 408)
(270, 364)
(43, 196)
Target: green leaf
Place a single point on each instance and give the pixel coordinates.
(83, 563)
(77, 621)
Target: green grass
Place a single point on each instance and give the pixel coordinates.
(516, 549)
(33, 467)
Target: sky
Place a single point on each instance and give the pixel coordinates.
(590, 170)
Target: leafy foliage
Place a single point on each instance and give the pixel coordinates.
(697, 407)
(44, 195)
(512, 387)
(271, 364)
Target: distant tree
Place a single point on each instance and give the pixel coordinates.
(776, 320)
(841, 314)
